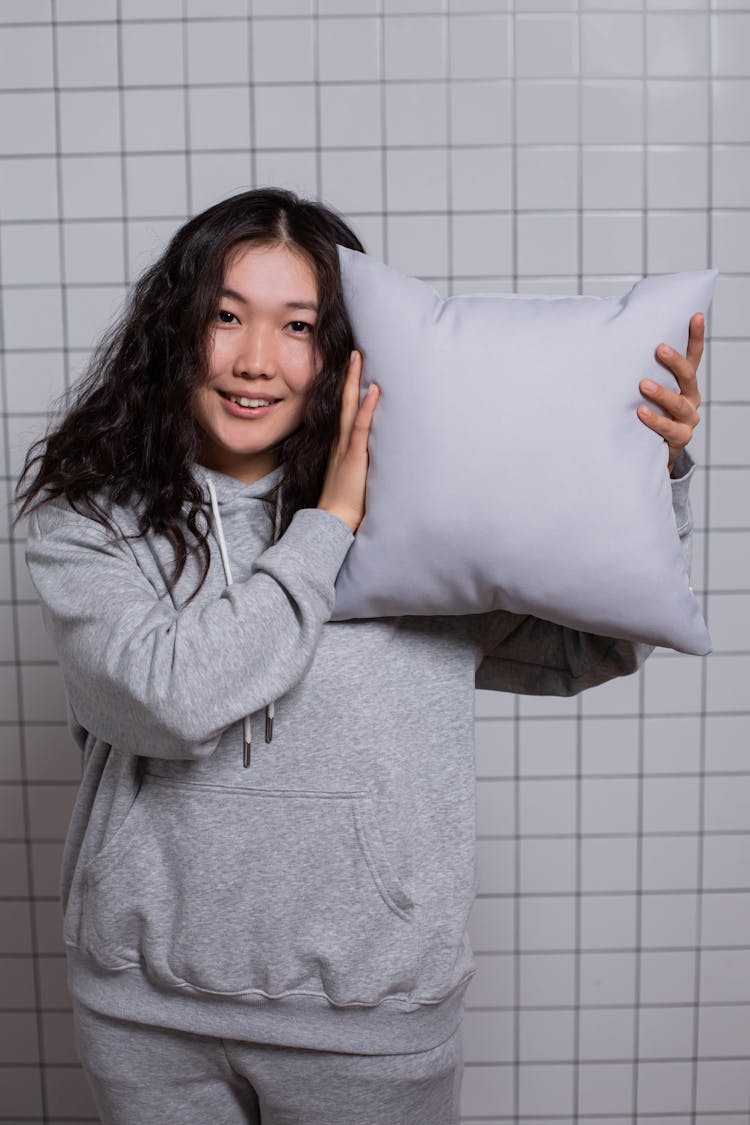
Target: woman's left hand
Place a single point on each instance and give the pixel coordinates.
(681, 417)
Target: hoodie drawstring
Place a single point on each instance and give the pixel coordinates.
(219, 530)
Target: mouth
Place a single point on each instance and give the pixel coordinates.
(248, 406)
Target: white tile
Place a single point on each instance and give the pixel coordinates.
(33, 318)
(669, 921)
(90, 312)
(351, 114)
(547, 979)
(27, 123)
(416, 113)
(726, 803)
(481, 178)
(731, 241)
(480, 113)
(612, 243)
(89, 121)
(728, 497)
(491, 925)
(480, 46)
(547, 244)
(417, 179)
(728, 433)
(546, 46)
(545, 1089)
(285, 116)
(678, 176)
(487, 1035)
(609, 865)
(724, 1030)
(487, 1089)
(670, 863)
(26, 430)
(219, 117)
(723, 1086)
(494, 745)
(27, 57)
(18, 11)
(349, 7)
(33, 380)
(609, 745)
(611, 45)
(671, 744)
(212, 8)
(482, 245)
(28, 189)
(678, 112)
(495, 812)
(87, 55)
(667, 978)
(550, 706)
(677, 45)
(729, 559)
(605, 1033)
(612, 112)
(282, 51)
(728, 677)
(282, 7)
(547, 867)
(547, 806)
(146, 241)
(607, 978)
(546, 921)
(152, 54)
(608, 921)
(665, 1086)
(729, 309)
(418, 245)
(546, 1036)
(725, 975)
(731, 36)
(295, 170)
(665, 1033)
(672, 683)
(731, 175)
(154, 120)
(153, 9)
(94, 252)
(31, 254)
(91, 186)
(726, 739)
(156, 185)
(219, 52)
(676, 241)
(546, 178)
(548, 748)
(612, 178)
(605, 1088)
(609, 805)
(496, 866)
(348, 49)
(415, 48)
(215, 176)
(731, 120)
(353, 179)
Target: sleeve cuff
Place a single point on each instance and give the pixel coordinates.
(682, 474)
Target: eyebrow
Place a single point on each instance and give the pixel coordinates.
(310, 305)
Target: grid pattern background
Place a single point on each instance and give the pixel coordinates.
(538, 146)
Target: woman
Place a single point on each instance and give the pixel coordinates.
(270, 865)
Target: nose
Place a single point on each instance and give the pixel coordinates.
(256, 355)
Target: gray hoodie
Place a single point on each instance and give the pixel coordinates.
(321, 897)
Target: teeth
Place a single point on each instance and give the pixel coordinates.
(250, 401)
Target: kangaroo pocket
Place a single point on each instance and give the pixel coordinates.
(251, 890)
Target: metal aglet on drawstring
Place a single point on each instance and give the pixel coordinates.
(270, 711)
(246, 741)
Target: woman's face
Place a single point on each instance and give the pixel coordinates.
(261, 360)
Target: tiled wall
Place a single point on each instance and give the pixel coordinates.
(542, 146)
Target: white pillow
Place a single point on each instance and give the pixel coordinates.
(508, 468)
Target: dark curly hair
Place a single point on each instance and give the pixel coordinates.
(127, 431)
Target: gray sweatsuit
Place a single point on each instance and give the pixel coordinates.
(320, 898)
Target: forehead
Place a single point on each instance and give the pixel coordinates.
(274, 269)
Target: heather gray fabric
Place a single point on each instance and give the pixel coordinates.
(508, 468)
(140, 1074)
(321, 897)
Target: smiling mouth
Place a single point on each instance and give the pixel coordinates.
(247, 401)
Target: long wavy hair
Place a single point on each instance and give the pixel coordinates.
(127, 431)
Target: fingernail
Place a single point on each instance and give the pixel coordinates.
(666, 350)
(643, 410)
(372, 389)
(649, 384)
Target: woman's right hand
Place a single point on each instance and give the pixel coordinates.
(343, 492)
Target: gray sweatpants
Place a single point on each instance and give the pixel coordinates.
(141, 1075)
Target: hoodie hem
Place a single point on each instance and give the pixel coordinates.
(303, 1021)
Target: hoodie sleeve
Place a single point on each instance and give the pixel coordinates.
(534, 657)
(163, 682)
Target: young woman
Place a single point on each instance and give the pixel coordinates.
(270, 866)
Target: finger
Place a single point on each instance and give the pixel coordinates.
(363, 420)
(677, 405)
(695, 339)
(350, 397)
(676, 434)
(684, 368)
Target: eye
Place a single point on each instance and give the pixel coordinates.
(300, 327)
(225, 316)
